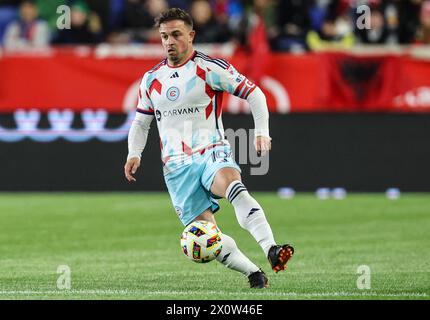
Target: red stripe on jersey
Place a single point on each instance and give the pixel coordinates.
(201, 73)
(150, 111)
(165, 159)
(186, 149)
(155, 85)
(248, 91)
(161, 144)
(209, 109)
(239, 88)
(218, 97)
(210, 147)
(209, 91)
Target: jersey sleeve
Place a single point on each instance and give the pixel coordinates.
(144, 104)
(225, 77)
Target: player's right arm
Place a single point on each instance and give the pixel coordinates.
(138, 134)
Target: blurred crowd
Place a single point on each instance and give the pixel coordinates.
(283, 25)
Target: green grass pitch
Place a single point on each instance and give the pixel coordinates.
(126, 246)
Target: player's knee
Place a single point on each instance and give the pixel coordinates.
(223, 179)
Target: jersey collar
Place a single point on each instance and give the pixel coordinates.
(183, 63)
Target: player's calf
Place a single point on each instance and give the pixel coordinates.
(233, 258)
(250, 215)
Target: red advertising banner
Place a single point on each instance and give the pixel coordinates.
(325, 82)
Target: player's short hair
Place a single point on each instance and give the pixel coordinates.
(174, 14)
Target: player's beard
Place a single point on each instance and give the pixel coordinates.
(176, 57)
(173, 56)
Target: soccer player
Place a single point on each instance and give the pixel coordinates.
(183, 92)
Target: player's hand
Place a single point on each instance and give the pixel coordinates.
(130, 168)
(262, 145)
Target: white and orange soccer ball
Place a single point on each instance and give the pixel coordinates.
(201, 241)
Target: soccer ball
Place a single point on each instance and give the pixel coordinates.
(201, 241)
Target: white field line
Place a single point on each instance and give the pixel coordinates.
(195, 292)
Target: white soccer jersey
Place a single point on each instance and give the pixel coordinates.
(186, 102)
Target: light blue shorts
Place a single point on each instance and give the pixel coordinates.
(189, 186)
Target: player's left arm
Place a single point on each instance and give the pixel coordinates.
(257, 103)
(227, 78)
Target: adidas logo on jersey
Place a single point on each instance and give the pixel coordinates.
(175, 75)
